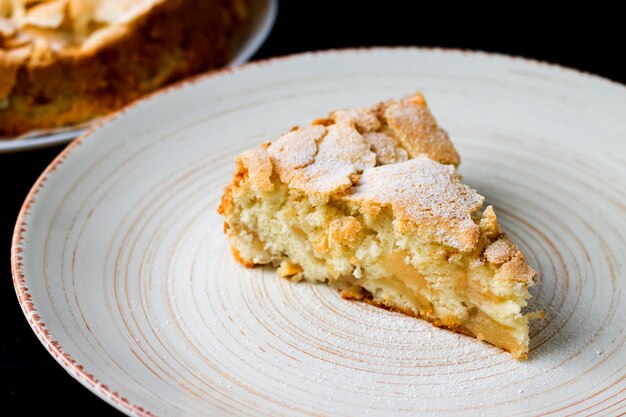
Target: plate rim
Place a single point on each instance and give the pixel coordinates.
(32, 141)
(54, 348)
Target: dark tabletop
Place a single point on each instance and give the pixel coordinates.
(32, 383)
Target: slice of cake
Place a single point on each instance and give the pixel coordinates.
(368, 201)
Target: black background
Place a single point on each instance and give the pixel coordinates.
(32, 383)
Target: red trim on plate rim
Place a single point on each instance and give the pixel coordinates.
(28, 307)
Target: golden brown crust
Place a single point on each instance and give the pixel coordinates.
(516, 269)
(413, 124)
(9, 65)
(43, 88)
(259, 167)
(240, 175)
(245, 262)
(500, 251)
(489, 223)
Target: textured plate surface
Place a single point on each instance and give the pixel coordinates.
(243, 48)
(124, 273)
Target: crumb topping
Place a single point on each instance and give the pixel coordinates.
(500, 251)
(428, 194)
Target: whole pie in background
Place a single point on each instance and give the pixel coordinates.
(65, 62)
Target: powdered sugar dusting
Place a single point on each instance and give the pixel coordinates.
(385, 149)
(412, 123)
(295, 149)
(344, 145)
(427, 193)
(324, 157)
(341, 153)
(500, 251)
(363, 119)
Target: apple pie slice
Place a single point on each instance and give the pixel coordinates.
(368, 201)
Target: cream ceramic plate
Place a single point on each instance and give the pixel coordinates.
(243, 48)
(124, 273)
